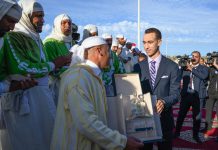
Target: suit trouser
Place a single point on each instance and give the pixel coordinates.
(209, 109)
(188, 100)
(202, 100)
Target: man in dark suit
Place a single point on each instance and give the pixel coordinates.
(193, 92)
(159, 76)
(213, 98)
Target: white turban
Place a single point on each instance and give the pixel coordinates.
(78, 51)
(93, 41)
(24, 25)
(115, 43)
(10, 8)
(56, 30)
(107, 36)
(89, 29)
(78, 54)
(120, 36)
(30, 6)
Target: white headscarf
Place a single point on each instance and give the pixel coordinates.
(115, 43)
(56, 30)
(78, 54)
(10, 8)
(78, 51)
(24, 25)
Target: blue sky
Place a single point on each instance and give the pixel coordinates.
(186, 25)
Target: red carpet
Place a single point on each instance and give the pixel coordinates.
(185, 140)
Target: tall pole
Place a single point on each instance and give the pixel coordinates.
(139, 24)
(166, 43)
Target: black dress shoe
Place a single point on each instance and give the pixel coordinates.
(197, 139)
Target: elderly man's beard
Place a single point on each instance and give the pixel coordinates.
(38, 27)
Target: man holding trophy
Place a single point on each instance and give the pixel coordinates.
(160, 76)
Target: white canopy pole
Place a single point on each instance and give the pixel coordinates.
(139, 24)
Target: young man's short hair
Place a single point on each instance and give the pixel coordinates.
(154, 30)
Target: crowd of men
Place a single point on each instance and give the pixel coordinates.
(54, 92)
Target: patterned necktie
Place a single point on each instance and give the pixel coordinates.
(152, 72)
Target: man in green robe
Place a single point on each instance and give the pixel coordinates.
(58, 43)
(113, 68)
(29, 114)
(10, 14)
(81, 121)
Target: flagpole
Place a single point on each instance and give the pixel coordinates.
(166, 43)
(139, 24)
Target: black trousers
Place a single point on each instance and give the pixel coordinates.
(209, 109)
(188, 100)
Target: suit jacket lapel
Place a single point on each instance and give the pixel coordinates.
(160, 71)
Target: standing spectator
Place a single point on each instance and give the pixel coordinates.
(193, 93)
(108, 38)
(30, 120)
(159, 76)
(142, 57)
(115, 51)
(58, 44)
(202, 62)
(121, 39)
(213, 98)
(10, 14)
(78, 51)
(81, 122)
(126, 56)
(88, 31)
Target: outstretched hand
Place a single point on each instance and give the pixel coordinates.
(133, 144)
